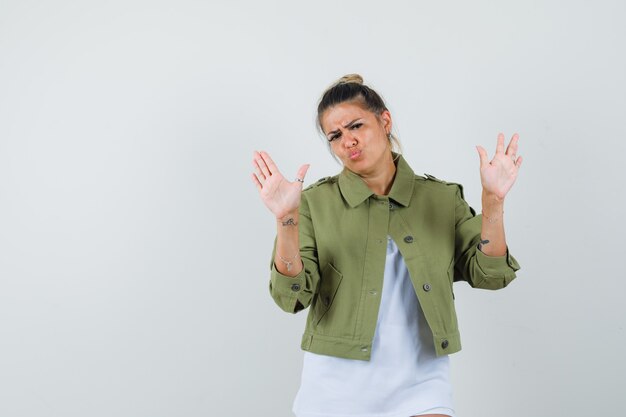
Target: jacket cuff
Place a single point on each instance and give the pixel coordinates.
(497, 266)
(285, 289)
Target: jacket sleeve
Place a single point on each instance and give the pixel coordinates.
(471, 264)
(293, 294)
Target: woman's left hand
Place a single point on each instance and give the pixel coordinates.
(498, 175)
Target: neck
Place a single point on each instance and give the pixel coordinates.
(381, 180)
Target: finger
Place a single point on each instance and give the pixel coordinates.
(255, 164)
(257, 168)
(261, 164)
(271, 166)
(302, 171)
(511, 150)
(500, 145)
(518, 162)
(482, 154)
(257, 182)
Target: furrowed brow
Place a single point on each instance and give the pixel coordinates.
(332, 132)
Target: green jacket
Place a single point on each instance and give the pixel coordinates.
(343, 229)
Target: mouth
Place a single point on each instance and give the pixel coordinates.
(355, 154)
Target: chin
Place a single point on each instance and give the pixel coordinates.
(358, 167)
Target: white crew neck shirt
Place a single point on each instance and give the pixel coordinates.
(403, 378)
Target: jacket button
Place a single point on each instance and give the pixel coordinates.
(373, 292)
(295, 287)
(390, 206)
(363, 348)
(408, 239)
(444, 344)
(426, 287)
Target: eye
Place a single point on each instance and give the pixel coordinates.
(333, 137)
(356, 125)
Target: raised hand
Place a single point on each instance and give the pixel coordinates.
(282, 197)
(498, 175)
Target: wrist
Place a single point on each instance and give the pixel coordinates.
(493, 206)
(292, 215)
(491, 198)
(492, 201)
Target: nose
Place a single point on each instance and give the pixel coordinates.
(349, 140)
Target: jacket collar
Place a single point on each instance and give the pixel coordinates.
(355, 191)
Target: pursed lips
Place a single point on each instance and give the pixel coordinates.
(355, 153)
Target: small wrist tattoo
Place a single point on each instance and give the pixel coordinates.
(482, 242)
(289, 222)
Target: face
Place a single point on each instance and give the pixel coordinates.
(358, 137)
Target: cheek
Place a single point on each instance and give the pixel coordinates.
(334, 147)
(377, 141)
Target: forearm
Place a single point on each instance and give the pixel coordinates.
(492, 232)
(287, 256)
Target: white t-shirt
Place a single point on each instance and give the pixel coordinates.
(403, 378)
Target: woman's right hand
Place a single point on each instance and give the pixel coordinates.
(282, 197)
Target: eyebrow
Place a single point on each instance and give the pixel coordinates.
(332, 132)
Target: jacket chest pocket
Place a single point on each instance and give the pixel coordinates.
(329, 283)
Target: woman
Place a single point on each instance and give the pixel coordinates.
(374, 251)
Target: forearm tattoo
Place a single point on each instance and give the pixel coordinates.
(482, 242)
(289, 222)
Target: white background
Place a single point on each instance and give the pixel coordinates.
(134, 250)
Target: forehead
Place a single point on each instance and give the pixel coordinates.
(342, 114)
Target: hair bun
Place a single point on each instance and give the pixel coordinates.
(350, 78)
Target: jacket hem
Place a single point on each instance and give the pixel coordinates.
(361, 350)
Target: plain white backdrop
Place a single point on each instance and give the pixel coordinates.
(135, 252)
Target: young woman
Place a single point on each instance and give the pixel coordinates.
(373, 252)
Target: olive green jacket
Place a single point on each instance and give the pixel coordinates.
(343, 229)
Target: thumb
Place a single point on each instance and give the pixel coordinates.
(302, 171)
(482, 154)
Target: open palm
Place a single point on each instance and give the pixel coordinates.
(498, 175)
(279, 195)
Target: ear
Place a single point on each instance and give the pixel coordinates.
(385, 118)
